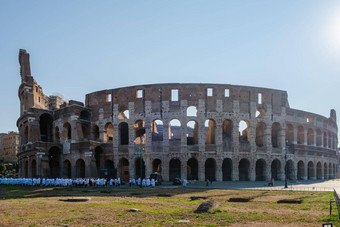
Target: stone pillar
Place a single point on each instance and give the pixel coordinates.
(132, 168)
(295, 132)
(201, 169)
(252, 172)
(165, 169)
(29, 169)
(183, 169)
(88, 164)
(235, 173)
(218, 171)
(305, 136)
(268, 171)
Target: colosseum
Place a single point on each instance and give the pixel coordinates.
(192, 131)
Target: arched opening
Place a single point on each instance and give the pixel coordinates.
(311, 175)
(325, 171)
(329, 140)
(99, 156)
(318, 138)
(80, 168)
(301, 170)
(46, 126)
(140, 168)
(300, 135)
(56, 134)
(139, 132)
(276, 128)
(319, 171)
(108, 133)
(85, 115)
(67, 131)
(192, 169)
(192, 111)
(227, 132)
(325, 139)
(110, 169)
(260, 134)
(276, 169)
(243, 169)
(174, 169)
(227, 169)
(244, 136)
(54, 157)
(260, 170)
(85, 128)
(157, 166)
(95, 132)
(67, 169)
(290, 170)
(123, 113)
(157, 130)
(34, 168)
(175, 130)
(310, 136)
(124, 133)
(260, 113)
(210, 169)
(124, 169)
(289, 133)
(209, 127)
(192, 133)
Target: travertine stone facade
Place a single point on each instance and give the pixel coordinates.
(194, 131)
(9, 147)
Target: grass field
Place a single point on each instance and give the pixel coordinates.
(38, 206)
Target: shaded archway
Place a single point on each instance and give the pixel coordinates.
(300, 170)
(300, 135)
(110, 169)
(192, 169)
(139, 132)
(140, 168)
(276, 128)
(311, 175)
(157, 166)
(67, 131)
(319, 171)
(310, 137)
(227, 130)
(175, 130)
(34, 168)
(209, 127)
(157, 130)
(124, 133)
(210, 169)
(124, 169)
(192, 133)
(46, 127)
(67, 169)
(99, 156)
(54, 157)
(260, 170)
(227, 169)
(289, 133)
(108, 132)
(243, 168)
(56, 134)
(80, 168)
(174, 169)
(260, 134)
(276, 169)
(95, 132)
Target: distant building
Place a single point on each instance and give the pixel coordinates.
(9, 147)
(1, 134)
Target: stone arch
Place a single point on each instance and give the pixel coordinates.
(192, 111)
(34, 169)
(175, 130)
(110, 169)
(289, 133)
(123, 133)
(276, 169)
(123, 113)
(124, 169)
(46, 127)
(192, 169)
(54, 157)
(260, 134)
(157, 166)
(300, 135)
(95, 132)
(227, 169)
(139, 127)
(319, 171)
(157, 130)
(329, 140)
(310, 137)
(325, 139)
(318, 138)
(192, 133)
(80, 168)
(140, 168)
(227, 133)
(311, 175)
(25, 137)
(300, 170)
(210, 126)
(210, 169)
(244, 131)
(260, 170)
(67, 169)
(174, 169)
(56, 134)
(260, 113)
(85, 115)
(276, 129)
(108, 133)
(244, 169)
(67, 131)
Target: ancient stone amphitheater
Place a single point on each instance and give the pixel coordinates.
(194, 131)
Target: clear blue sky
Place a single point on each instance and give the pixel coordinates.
(78, 47)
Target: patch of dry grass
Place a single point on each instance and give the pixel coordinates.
(30, 206)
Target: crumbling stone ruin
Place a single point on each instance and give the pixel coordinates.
(194, 131)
